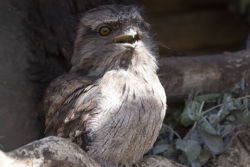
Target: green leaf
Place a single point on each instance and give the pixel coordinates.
(246, 118)
(190, 113)
(208, 97)
(204, 156)
(226, 130)
(207, 127)
(160, 148)
(214, 142)
(230, 103)
(191, 148)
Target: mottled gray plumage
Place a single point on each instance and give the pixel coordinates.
(111, 102)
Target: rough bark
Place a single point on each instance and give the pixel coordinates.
(205, 74)
(48, 152)
(157, 161)
(60, 152)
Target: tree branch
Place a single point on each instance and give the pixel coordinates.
(48, 152)
(59, 152)
(205, 74)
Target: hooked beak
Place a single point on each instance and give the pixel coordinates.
(131, 36)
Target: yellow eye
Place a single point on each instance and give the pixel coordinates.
(104, 30)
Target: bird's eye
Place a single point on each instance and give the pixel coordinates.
(104, 30)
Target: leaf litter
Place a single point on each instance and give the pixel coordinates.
(208, 121)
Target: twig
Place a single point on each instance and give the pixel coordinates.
(220, 105)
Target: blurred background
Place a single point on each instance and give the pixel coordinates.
(194, 27)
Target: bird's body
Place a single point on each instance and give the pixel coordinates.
(111, 102)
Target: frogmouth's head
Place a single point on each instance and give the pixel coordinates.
(111, 37)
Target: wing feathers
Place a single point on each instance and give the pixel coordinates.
(67, 106)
